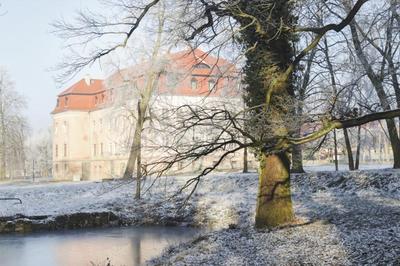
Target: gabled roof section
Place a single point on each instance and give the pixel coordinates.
(189, 59)
(85, 86)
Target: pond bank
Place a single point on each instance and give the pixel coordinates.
(27, 224)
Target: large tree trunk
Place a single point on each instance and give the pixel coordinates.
(274, 202)
(269, 83)
(348, 149)
(297, 159)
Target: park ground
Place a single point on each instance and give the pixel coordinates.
(344, 218)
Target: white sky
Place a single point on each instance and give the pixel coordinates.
(28, 50)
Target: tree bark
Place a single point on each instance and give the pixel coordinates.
(297, 153)
(245, 161)
(297, 159)
(357, 165)
(274, 202)
(139, 156)
(336, 153)
(348, 149)
(152, 77)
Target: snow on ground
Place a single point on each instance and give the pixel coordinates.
(353, 217)
(343, 167)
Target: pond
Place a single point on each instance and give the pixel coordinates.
(119, 246)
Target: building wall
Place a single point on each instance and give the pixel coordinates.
(94, 119)
(70, 143)
(98, 142)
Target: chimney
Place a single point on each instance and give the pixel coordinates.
(87, 79)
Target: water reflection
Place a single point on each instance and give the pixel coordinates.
(122, 246)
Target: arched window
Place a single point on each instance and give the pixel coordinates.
(202, 66)
(194, 84)
(66, 101)
(96, 100)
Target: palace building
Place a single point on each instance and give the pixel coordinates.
(93, 124)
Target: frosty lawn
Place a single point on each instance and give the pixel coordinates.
(350, 217)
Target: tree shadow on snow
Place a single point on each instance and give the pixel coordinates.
(368, 225)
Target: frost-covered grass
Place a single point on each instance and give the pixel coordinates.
(350, 217)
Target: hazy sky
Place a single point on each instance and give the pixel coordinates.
(28, 50)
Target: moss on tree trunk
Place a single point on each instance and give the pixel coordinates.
(274, 202)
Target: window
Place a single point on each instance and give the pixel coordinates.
(96, 100)
(65, 167)
(110, 146)
(102, 98)
(56, 151)
(202, 66)
(65, 150)
(58, 102)
(66, 101)
(173, 80)
(212, 85)
(56, 167)
(111, 95)
(194, 84)
(101, 149)
(94, 149)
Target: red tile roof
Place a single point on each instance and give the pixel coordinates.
(92, 94)
(82, 87)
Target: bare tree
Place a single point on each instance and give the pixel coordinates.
(40, 150)
(270, 66)
(13, 128)
(376, 77)
(151, 80)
